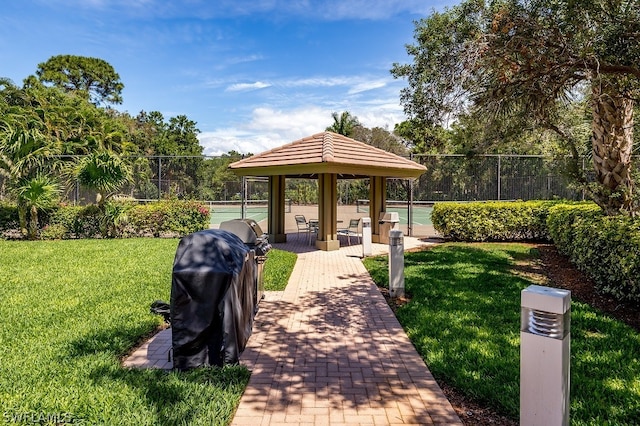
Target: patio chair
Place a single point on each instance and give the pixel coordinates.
(314, 227)
(351, 230)
(303, 225)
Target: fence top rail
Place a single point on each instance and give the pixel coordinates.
(485, 155)
(205, 157)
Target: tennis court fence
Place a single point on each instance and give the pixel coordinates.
(254, 206)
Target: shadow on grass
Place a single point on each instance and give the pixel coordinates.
(328, 357)
(200, 396)
(464, 319)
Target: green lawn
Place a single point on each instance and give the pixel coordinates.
(278, 269)
(464, 319)
(70, 310)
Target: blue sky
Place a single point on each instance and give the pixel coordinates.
(253, 74)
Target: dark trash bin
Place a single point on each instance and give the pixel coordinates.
(213, 299)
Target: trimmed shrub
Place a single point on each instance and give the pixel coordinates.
(561, 220)
(54, 232)
(168, 218)
(9, 221)
(605, 248)
(74, 222)
(8, 215)
(492, 221)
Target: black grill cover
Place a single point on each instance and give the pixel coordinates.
(213, 299)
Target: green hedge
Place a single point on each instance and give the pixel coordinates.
(9, 221)
(168, 218)
(605, 248)
(492, 221)
(72, 222)
(562, 219)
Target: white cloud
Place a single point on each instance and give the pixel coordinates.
(366, 86)
(244, 59)
(269, 128)
(291, 124)
(320, 82)
(242, 87)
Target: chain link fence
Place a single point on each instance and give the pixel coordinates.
(491, 177)
(448, 178)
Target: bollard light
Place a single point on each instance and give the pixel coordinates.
(366, 237)
(396, 263)
(545, 343)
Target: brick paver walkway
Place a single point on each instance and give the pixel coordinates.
(329, 351)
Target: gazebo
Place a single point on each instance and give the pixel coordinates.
(326, 156)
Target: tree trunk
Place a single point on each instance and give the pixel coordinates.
(612, 142)
(22, 218)
(33, 223)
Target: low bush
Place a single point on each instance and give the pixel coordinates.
(169, 218)
(561, 220)
(605, 248)
(67, 222)
(492, 221)
(9, 220)
(54, 232)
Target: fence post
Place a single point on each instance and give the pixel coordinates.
(499, 175)
(159, 178)
(243, 203)
(583, 192)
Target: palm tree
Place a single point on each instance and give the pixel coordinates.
(23, 149)
(343, 124)
(35, 194)
(104, 172)
(24, 152)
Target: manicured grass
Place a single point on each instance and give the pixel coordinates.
(278, 268)
(70, 310)
(464, 319)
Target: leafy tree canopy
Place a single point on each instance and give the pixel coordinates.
(529, 59)
(93, 76)
(380, 138)
(178, 136)
(425, 138)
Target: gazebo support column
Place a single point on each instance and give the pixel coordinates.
(276, 209)
(327, 212)
(377, 203)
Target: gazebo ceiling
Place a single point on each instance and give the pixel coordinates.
(328, 153)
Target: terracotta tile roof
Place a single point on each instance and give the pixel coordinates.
(327, 152)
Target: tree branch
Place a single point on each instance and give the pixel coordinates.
(615, 69)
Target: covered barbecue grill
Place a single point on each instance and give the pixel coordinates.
(214, 296)
(251, 234)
